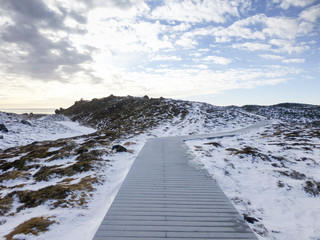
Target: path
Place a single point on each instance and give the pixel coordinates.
(165, 196)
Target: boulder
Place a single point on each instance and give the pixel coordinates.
(119, 148)
(3, 128)
(1, 137)
(250, 219)
(25, 122)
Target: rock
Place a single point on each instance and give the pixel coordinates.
(119, 148)
(1, 137)
(3, 128)
(25, 122)
(250, 219)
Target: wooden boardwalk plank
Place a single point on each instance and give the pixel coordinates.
(165, 197)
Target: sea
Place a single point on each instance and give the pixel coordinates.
(29, 110)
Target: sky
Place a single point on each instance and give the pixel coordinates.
(236, 52)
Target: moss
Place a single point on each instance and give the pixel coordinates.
(33, 226)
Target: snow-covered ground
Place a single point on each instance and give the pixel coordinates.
(25, 129)
(270, 174)
(261, 187)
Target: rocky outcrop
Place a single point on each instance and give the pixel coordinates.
(3, 128)
(119, 148)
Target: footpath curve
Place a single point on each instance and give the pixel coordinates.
(164, 196)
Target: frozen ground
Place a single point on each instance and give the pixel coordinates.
(271, 175)
(25, 129)
(274, 182)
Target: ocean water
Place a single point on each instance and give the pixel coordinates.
(29, 110)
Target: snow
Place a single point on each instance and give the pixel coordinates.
(255, 186)
(252, 184)
(40, 129)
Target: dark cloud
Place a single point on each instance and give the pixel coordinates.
(32, 11)
(42, 56)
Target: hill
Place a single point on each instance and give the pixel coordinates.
(288, 112)
(58, 178)
(134, 115)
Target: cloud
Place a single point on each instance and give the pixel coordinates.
(122, 4)
(33, 44)
(311, 14)
(240, 29)
(285, 4)
(165, 58)
(201, 66)
(252, 46)
(294, 60)
(186, 41)
(187, 81)
(217, 60)
(270, 56)
(286, 28)
(287, 46)
(198, 10)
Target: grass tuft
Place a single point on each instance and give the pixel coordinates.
(33, 226)
(312, 187)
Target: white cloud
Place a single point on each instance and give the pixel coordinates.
(285, 4)
(260, 28)
(165, 58)
(180, 27)
(186, 82)
(201, 66)
(196, 54)
(239, 29)
(217, 60)
(294, 60)
(287, 46)
(252, 46)
(270, 56)
(186, 41)
(198, 10)
(286, 28)
(311, 14)
(124, 35)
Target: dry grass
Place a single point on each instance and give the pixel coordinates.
(215, 144)
(33, 226)
(5, 204)
(14, 175)
(293, 174)
(253, 152)
(312, 187)
(58, 193)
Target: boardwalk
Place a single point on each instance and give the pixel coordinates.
(165, 196)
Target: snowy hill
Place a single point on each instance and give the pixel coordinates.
(289, 112)
(132, 115)
(58, 178)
